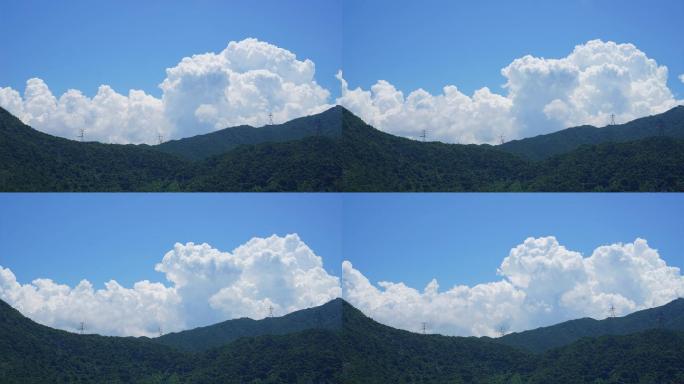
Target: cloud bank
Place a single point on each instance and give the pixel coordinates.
(542, 283)
(240, 85)
(204, 286)
(250, 79)
(595, 80)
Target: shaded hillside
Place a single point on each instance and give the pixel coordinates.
(380, 354)
(327, 316)
(377, 161)
(654, 164)
(654, 356)
(361, 351)
(362, 158)
(307, 165)
(328, 124)
(34, 161)
(669, 316)
(669, 124)
(32, 353)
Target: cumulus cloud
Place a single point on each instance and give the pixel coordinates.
(681, 77)
(543, 95)
(542, 283)
(251, 79)
(205, 285)
(240, 85)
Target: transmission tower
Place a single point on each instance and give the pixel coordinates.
(81, 327)
(423, 135)
(160, 138)
(423, 327)
(502, 139)
(270, 311)
(612, 119)
(160, 331)
(611, 310)
(502, 330)
(270, 118)
(81, 134)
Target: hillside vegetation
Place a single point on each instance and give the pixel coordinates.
(360, 351)
(337, 151)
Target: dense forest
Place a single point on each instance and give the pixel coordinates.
(337, 151)
(668, 124)
(336, 343)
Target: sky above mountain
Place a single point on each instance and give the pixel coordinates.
(466, 265)
(468, 73)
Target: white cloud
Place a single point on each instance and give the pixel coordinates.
(681, 77)
(250, 79)
(542, 283)
(240, 85)
(206, 285)
(543, 95)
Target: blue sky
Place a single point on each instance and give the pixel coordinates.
(128, 44)
(428, 44)
(69, 237)
(462, 238)
(456, 238)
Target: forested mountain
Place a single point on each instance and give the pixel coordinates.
(361, 351)
(33, 353)
(328, 124)
(327, 316)
(34, 161)
(377, 161)
(668, 124)
(361, 158)
(667, 317)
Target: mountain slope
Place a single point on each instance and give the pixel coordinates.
(327, 316)
(653, 164)
(327, 123)
(34, 161)
(655, 356)
(311, 164)
(32, 353)
(361, 351)
(669, 316)
(377, 161)
(361, 158)
(669, 124)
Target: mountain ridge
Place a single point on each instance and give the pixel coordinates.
(361, 158)
(362, 351)
(669, 316)
(669, 123)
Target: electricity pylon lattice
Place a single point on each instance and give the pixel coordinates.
(423, 135)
